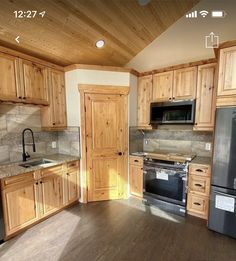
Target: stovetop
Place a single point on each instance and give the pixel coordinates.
(166, 155)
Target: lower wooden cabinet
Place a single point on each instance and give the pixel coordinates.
(51, 194)
(30, 197)
(20, 206)
(136, 176)
(198, 190)
(71, 183)
(198, 205)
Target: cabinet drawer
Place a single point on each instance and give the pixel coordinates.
(202, 170)
(6, 182)
(136, 160)
(198, 205)
(56, 170)
(72, 166)
(199, 185)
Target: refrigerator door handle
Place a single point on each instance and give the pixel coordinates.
(224, 194)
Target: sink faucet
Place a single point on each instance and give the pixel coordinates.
(26, 155)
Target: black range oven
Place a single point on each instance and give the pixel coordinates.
(165, 185)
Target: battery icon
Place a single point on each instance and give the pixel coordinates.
(218, 14)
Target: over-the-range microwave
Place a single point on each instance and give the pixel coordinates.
(175, 112)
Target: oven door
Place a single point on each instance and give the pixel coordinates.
(164, 184)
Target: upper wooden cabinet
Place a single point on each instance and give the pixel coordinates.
(54, 116)
(206, 95)
(226, 91)
(9, 75)
(34, 86)
(185, 81)
(162, 86)
(144, 99)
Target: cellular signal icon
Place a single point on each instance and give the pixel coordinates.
(192, 15)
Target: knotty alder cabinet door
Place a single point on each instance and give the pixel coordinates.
(20, 205)
(53, 117)
(162, 86)
(136, 176)
(206, 98)
(34, 83)
(9, 75)
(185, 81)
(144, 100)
(226, 91)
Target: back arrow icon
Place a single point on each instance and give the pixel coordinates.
(17, 39)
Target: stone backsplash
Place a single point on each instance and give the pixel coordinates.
(69, 141)
(13, 119)
(135, 140)
(178, 139)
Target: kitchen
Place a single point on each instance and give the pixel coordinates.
(125, 141)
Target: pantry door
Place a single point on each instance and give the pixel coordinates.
(106, 145)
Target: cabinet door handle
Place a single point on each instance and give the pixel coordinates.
(198, 185)
(24, 98)
(197, 204)
(20, 97)
(36, 183)
(54, 123)
(41, 182)
(199, 170)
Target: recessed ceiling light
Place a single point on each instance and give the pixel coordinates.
(100, 43)
(143, 2)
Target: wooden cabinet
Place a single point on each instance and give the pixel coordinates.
(136, 176)
(20, 203)
(30, 197)
(226, 91)
(51, 194)
(144, 100)
(198, 190)
(71, 183)
(34, 83)
(162, 86)
(9, 75)
(206, 98)
(185, 82)
(54, 117)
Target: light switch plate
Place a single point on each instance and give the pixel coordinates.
(54, 144)
(208, 146)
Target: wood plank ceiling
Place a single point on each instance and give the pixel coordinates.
(70, 28)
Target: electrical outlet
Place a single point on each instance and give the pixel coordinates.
(146, 142)
(207, 146)
(54, 144)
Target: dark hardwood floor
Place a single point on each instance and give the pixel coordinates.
(119, 230)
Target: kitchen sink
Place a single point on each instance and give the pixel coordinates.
(40, 162)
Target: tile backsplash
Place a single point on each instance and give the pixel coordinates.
(178, 139)
(13, 119)
(171, 138)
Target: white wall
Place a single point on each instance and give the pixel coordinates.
(81, 76)
(184, 41)
(133, 101)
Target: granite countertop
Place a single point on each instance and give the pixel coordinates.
(202, 160)
(196, 160)
(13, 169)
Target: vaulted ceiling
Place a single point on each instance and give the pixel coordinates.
(68, 32)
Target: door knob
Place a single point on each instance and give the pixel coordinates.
(120, 153)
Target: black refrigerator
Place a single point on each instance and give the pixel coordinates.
(222, 212)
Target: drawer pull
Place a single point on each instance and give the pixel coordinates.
(198, 185)
(199, 170)
(72, 165)
(197, 204)
(136, 160)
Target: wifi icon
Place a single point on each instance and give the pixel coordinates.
(203, 13)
